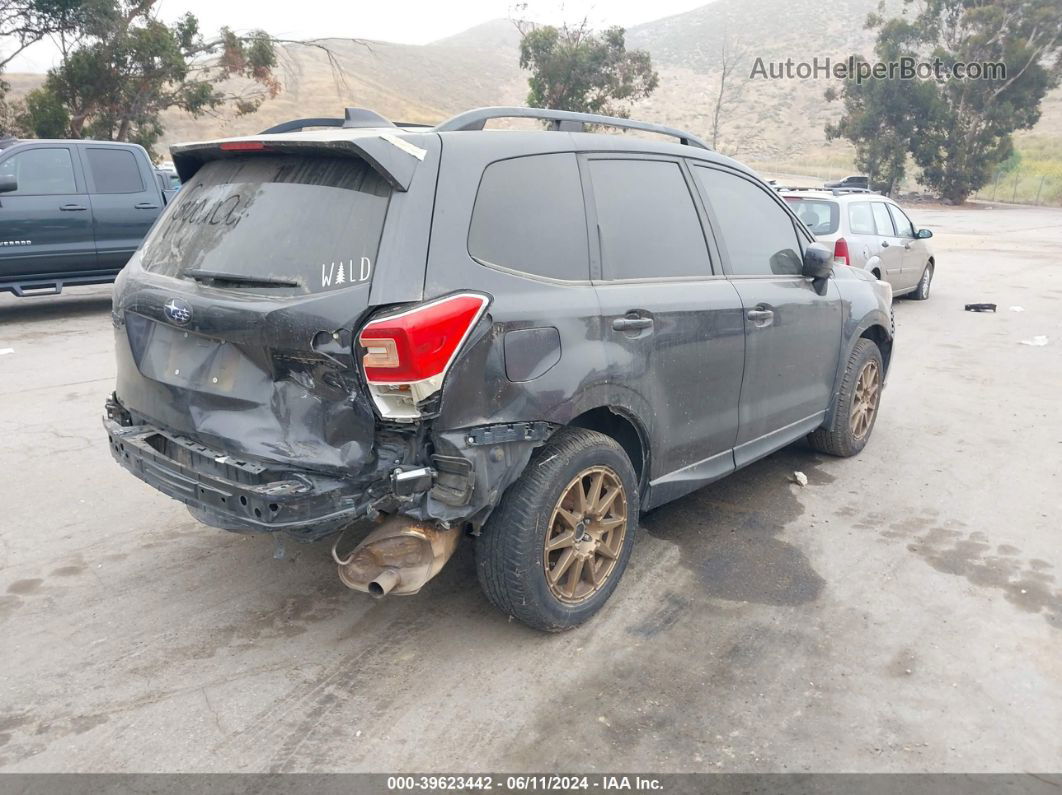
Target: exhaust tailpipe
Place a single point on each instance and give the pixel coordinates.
(398, 557)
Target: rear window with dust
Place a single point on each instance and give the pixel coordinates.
(306, 223)
(818, 215)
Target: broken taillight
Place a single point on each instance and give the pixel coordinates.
(407, 354)
(840, 252)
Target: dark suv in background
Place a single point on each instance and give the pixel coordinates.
(527, 337)
(72, 211)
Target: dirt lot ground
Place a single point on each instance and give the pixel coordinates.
(902, 612)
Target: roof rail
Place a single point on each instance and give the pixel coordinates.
(834, 191)
(561, 120)
(352, 118)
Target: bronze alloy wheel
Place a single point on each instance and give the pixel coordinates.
(865, 402)
(585, 534)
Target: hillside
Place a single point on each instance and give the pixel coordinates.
(404, 82)
(766, 120)
(763, 118)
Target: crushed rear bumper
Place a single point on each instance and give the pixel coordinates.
(236, 493)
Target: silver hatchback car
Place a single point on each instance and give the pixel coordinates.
(869, 231)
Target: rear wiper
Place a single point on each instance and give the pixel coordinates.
(237, 279)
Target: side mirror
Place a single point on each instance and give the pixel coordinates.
(924, 234)
(818, 261)
(8, 183)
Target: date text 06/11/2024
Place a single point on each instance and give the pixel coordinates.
(525, 783)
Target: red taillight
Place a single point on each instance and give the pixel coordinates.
(419, 344)
(840, 252)
(242, 146)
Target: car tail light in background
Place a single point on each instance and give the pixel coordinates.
(840, 252)
(408, 354)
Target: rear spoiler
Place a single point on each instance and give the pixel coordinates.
(391, 156)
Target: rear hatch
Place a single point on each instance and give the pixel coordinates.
(235, 321)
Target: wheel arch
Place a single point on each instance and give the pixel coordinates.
(621, 425)
(880, 336)
(876, 326)
(873, 266)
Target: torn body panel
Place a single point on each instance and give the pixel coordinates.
(249, 375)
(262, 368)
(255, 414)
(235, 494)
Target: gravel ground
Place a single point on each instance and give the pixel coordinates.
(901, 612)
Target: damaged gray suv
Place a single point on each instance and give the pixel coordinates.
(527, 337)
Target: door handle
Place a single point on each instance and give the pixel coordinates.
(632, 323)
(907, 246)
(884, 243)
(760, 316)
(72, 208)
(145, 206)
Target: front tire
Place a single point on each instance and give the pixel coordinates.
(555, 547)
(855, 406)
(921, 292)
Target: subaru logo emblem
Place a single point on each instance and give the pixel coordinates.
(178, 311)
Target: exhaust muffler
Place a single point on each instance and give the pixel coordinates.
(398, 557)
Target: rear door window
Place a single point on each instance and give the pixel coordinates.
(281, 220)
(882, 219)
(529, 217)
(757, 232)
(648, 223)
(860, 219)
(114, 170)
(46, 171)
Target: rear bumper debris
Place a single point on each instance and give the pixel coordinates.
(454, 480)
(238, 494)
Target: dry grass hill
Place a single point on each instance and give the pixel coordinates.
(770, 122)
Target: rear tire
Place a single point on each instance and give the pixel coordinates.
(855, 406)
(556, 546)
(921, 292)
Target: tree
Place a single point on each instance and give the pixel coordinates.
(130, 66)
(958, 129)
(881, 117)
(573, 68)
(960, 145)
(121, 67)
(730, 56)
(43, 114)
(23, 23)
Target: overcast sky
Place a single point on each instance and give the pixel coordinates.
(406, 21)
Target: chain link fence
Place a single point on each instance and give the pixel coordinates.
(1019, 186)
(1023, 187)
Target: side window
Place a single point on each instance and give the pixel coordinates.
(114, 170)
(529, 217)
(648, 221)
(41, 172)
(759, 235)
(882, 219)
(904, 227)
(860, 219)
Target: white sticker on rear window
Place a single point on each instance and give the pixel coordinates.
(334, 274)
